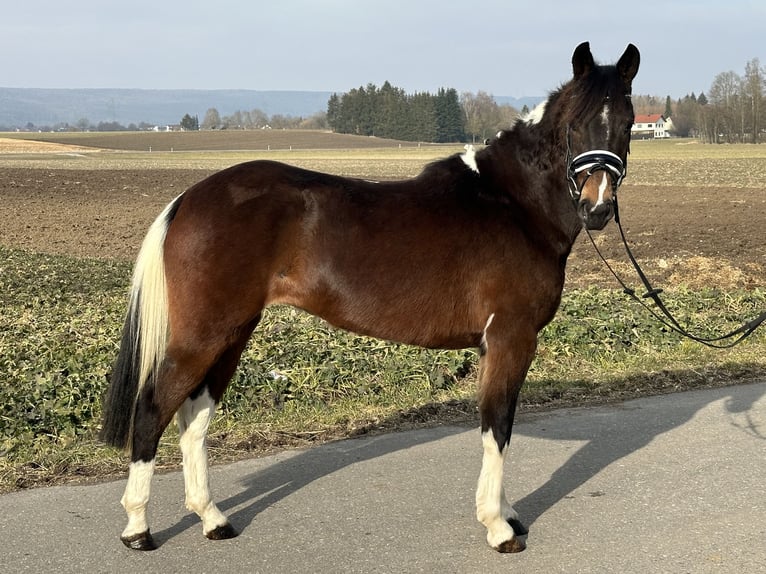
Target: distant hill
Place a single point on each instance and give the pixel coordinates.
(48, 106)
(20, 106)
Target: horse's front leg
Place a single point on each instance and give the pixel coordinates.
(506, 356)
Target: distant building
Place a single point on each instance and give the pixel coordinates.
(651, 126)
(168, 128)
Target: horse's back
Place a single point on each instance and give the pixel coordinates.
(414, 261)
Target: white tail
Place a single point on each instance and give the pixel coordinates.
(149, 298)
(144, 337)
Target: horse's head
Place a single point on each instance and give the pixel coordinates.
(598, 121)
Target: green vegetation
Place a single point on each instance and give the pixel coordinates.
(302, 380)
(391, 113)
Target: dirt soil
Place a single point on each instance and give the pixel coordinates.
(697, 237)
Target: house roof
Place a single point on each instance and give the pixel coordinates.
(648, 118)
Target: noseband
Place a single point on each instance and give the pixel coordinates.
(591, 162)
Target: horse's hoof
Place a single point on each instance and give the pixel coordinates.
(140, 541)
(518, 528)
(222, 532)
(511, 546)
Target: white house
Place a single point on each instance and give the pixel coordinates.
(650, 126)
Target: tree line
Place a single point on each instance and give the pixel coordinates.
(212, 120)
(731, 112)
(390, 112)
(253, 119)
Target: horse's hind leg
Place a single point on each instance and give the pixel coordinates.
(507, 356)
(201, 369)
(177, 378)
(148, 426)
(193, 419)
(135, 500)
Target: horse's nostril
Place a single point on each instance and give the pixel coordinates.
(595, 216)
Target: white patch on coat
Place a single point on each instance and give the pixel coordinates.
(536, 115)
(469, 157)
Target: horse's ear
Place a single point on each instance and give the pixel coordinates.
(628, 65)
(582, 60)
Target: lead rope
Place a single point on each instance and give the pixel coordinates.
(654, 294)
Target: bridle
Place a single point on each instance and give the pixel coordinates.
(597, 160)
(591, 162)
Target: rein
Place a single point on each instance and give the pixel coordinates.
(653, 293)
(593, 161)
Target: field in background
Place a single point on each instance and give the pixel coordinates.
(73, 218)
(213, 140)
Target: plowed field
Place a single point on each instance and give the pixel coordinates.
(705, 229)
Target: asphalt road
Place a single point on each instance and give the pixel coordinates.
(665, 484)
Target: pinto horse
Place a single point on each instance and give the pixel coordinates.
(470, 253)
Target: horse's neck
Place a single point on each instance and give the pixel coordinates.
(540, 187)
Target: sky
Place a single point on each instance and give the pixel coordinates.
(503, 47)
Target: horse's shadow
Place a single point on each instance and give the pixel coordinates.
(604, 446)
(268, 486)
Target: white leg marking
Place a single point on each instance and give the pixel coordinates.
(491, 505)
(506, 510)
(193, 419)
(469, 158)
(136, 497)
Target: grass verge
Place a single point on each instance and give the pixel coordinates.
(301, 381)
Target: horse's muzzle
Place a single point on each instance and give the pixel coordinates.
(595, 217)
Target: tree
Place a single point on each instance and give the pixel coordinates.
(212, 120)
(334, 118)
(389, 112)
(83, 124)
(258, 118)
(110, 127)
(482, 115)
(753, 88)
(685, 116)
(422, 118)
(189, 123)
(316, 122)
(233, 121)
(668, 108)
(726, 102)
(508, 116)
(449, 116)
